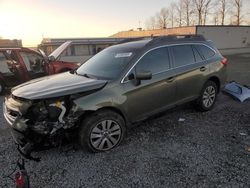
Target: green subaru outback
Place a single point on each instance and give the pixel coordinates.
(119, 86)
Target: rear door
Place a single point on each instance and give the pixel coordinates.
(152, 95)
(191, 71)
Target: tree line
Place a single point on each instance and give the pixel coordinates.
(198, 12)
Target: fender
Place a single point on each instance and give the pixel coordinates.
(102, 99)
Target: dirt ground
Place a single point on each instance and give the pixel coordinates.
(209, 149)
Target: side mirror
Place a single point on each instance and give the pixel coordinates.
(52, 58)
(72, 71)
(143, 75)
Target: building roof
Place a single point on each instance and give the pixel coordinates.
(169, 31)
(58, 41)
(10, 43)
(156, 32)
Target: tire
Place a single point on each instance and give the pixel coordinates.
(102, 131)
(207, 97)
(2, 88)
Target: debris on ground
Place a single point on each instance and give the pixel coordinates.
(21, 177)
(238, 91)
(243, 134)
(181, 119)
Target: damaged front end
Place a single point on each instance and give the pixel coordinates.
(36, 123)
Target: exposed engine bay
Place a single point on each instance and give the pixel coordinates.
(50, 116)
(45, 111)
(40, 122)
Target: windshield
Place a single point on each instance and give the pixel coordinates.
(108, 64)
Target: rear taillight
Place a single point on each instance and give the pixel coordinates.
(224, 61)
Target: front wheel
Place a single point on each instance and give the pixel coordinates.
(102, 131)
(208, 96)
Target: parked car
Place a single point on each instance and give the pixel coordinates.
(119, 86)
(18, 65)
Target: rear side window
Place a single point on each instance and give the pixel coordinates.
(33, 62)
(155, 61)
(197, 55)
(206, 51)
(183, 55)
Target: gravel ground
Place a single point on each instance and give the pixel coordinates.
(206, 150)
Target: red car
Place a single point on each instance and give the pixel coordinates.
(18, 65)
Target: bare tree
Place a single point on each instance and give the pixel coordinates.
(162, 18)
(237, 4)
(151, 23)
(191, 12)
(222, 9)
(216, 19)
(199, 8)
(179, 10)
(202, 9)
(206, 10)
(187, 7)
(172, 15)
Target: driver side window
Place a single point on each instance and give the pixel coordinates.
(4, 67)
(155, 61)
(33, 62)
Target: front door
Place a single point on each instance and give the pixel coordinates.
(34, 64)
(8, 70)
(153, 95)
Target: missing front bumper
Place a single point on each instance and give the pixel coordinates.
(24, 146)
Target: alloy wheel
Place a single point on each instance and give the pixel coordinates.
(209, 96)
(105, 135)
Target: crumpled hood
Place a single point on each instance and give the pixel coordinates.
(56, 86)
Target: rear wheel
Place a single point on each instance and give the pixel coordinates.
(102, 131)
(208, 96)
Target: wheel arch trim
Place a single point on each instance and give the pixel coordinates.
(111, 108)
(216, 80)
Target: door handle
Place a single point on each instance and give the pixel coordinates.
(170, 79)
(203, 69)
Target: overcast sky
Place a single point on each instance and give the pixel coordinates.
(31, 20)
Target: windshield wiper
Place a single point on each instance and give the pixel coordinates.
(73, 71)
(85, 75)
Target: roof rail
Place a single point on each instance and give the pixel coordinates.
(175, 38)
(166, 38)
(133, 39)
